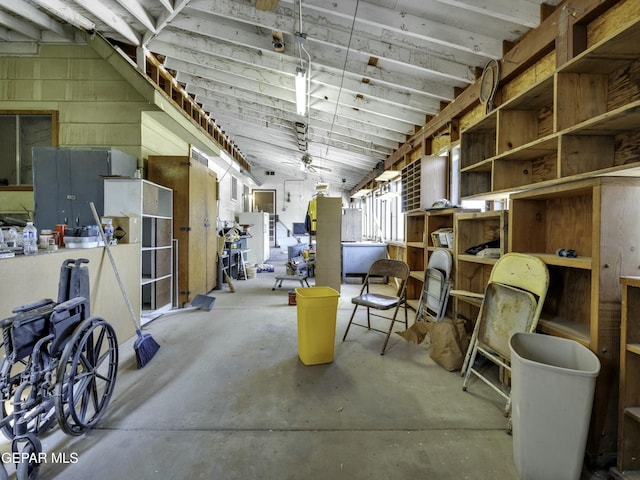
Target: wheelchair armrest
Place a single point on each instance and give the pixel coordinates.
(32, 306)
(69, 304)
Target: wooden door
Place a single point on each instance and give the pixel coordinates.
(197, 232)
(173, 172)
(211, 235)
(187, 178)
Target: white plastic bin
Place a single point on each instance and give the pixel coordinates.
(552, 385)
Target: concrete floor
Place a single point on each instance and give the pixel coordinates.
(226, 397)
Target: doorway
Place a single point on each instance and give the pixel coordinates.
(265, 201)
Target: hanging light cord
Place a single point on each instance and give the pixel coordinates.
(344, 68)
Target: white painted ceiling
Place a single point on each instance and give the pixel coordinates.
(378, 68)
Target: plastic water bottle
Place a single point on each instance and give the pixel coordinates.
(30, 239)
(107, 228)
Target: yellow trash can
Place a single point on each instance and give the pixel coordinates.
(317, 310)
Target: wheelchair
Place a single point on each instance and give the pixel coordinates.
(60, 364)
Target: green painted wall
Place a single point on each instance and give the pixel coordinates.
(97, 105)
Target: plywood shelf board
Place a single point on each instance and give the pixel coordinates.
(564, 328)
(610, 53)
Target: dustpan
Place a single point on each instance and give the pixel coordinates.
(203, 302)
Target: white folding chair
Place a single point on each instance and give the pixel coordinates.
(436, 287)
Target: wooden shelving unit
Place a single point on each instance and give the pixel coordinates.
(628, 462)
(419, 245)
(583, 301)
(578, 121)
(471, 271)
(564, 154)
(415, 254)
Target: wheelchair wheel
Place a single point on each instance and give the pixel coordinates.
(29, 468)
(10, 378)
(86, 376)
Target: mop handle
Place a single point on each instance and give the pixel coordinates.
(115, 269)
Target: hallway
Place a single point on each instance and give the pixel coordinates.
(226, 397)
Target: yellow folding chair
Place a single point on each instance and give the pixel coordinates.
(512, 303)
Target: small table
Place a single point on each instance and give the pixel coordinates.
(298, 278)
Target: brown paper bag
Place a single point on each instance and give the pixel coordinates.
(448, 344)
(416, 332)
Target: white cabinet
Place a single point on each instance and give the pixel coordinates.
(328, 242)
(258, 242)
(150, 208)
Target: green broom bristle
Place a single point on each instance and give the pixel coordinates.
(145, 347)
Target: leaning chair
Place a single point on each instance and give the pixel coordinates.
(512, 303)
(371, 300)
(436, 287)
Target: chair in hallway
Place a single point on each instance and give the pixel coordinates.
(371, 299)
(436, 287)
(512, 303)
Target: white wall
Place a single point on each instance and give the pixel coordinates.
(294, 190)
(226, 171)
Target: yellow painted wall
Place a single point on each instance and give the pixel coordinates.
(97, 106)
(159, 140)
(16, 202)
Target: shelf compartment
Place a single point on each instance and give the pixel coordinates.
(552, 220)
(582, 154)
(417, 274)
(415, 228)
(156, 295)
(475, 228)
(584, 263)
(156, 262)
(476, 179)
(471, 277)
(586, 96)
(633, 412)
(560, 327)
(615, 122)
(435, 221)
(580, 96)
(633, 348)
(567, 308)
(520, 127)
(156, 232)
(514, 173)
(416, 258)
(609, 54)
(478, 142)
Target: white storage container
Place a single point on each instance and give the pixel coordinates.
(552, 385)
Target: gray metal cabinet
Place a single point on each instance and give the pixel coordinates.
(67, 179)
(357, 257)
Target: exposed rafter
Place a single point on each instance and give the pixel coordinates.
(378, 72)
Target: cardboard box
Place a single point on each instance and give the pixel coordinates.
(127, 229)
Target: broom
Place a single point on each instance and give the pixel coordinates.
(145, 346)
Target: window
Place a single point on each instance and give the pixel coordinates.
(19, 133)
(234, 189)
(382, 213)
